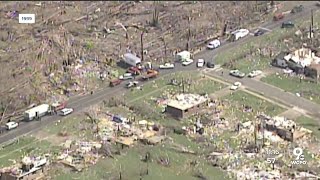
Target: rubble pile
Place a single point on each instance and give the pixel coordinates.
(28, 168)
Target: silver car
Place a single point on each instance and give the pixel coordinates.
(237, 73)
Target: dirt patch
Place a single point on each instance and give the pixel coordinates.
(52, 138)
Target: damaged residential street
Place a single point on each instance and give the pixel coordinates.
(160, 90)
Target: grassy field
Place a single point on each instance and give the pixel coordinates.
(238, 99)
(308, 90)
(180, 167)
(25, 146)
(247, 63)
(158, 83)
(309, 123)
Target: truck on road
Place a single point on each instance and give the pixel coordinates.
(57, 106)
(131, 59)
(150, 74)
(36, 112)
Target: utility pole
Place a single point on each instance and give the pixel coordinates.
(141, 41)
(311, 27)
(189, 33)
(312, 19)
(165, 48)
(225, 28)
(183, 82)
(263, 126)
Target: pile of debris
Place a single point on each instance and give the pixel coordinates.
(29, 168)
(79, 155)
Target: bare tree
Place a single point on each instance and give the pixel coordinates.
(92, 114)
(155, 15)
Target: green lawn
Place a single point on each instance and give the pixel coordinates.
(26, 146)
(158, 83)
(235, 107)
(131, 166)
(309, 123)
(308, 90)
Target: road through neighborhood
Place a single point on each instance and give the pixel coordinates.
(272, 92)
(81, 102)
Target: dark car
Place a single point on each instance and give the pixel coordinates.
(287, 24)
(210, 64)
(259, 33)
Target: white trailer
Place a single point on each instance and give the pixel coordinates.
(183, 56)
(131, 59)
(37, 112)
(240, 33)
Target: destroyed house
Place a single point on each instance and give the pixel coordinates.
(281, 126)
(283, 133)
(184, 105)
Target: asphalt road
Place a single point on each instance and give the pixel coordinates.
(81, 102)
(270, 91)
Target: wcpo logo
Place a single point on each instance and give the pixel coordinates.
(299, 157)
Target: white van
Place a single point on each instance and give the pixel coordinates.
(66, 111)
(126, 76)
(200, 63)
(11, 125)
(214, 44)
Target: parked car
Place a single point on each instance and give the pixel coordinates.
(213, 44)
(166, 66)
(200, 63)
(11, 125)
(66, 111)
(259, 33)
(115, 82)
(235, 86)
(126, 76)
(134, 70)
(132, 84)
(297, 9)
(287, 24)
(210, 65)
(254, 73)
(187, 62)
(237, 73)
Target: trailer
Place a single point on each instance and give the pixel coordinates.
(131, 59)
(36, 112)
(238, 34)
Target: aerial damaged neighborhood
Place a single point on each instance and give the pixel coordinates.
(160, 90)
